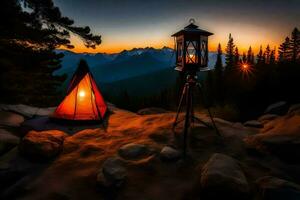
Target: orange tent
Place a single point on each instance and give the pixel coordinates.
(83, 100)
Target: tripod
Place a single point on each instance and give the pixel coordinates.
(187, 94)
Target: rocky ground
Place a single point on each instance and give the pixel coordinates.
(138, 156)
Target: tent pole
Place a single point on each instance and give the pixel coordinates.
(75, 102)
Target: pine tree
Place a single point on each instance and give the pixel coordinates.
(28, 40)
(218, 77)
(229, 57)
(295, 45)
(267, 55)
(284, 50)
(244, 58)
(236, 56)
(260, 57)
(250, 56)
(219, 64)
(272, 57)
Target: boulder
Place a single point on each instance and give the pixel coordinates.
(294, 109)
(267, 117)
(222, 178)
(279, 108)
(254, 124)
(7, 141)
(27, 111)
(280, 137)
(222, 121)
(272, 188)
(133, 151)
(43, 144)
(151, 111)
(112, 173)
(169, 154)
(10, 119)
(284, 147)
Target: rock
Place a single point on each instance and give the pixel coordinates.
(10, 119)
(202, 137)
(169, 154)
(279, 108)
(267, 117)
(238, 125)
(7, 141)
(151, 111)
(113, 173)
(133, 151)
(272, 188)
(254, 124)
(27, 111)
(280, 137)
(294, 109)
(222, 178)
(284, 147)
(223, 121)
(42, 145)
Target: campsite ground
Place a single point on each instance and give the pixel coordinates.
(137, 156)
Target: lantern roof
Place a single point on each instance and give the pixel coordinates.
(192, 29)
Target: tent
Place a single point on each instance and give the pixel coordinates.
(83, 100)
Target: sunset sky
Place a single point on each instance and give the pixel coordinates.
(125, 24)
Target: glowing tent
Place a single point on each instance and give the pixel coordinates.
(83, 100)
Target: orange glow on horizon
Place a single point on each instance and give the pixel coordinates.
(111, 45)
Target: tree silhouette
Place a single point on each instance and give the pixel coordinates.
(295, 45)
(229, 57)
(260, 59)
(267, 55)
(284, 50)
(244, 57)
(218, 77)
(28, 38)
(236, 56)
(250, 56)
(272, 57)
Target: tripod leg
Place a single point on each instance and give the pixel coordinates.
(192, 106)
(208, 110)
(180, 105)
(213, 122)
(187, 119)
(202, 122)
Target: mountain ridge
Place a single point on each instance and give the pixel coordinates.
(128, 69)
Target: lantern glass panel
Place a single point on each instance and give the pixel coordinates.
(191, 52)
(203, 52)
(179, 50)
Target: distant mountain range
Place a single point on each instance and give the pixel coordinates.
(139, 71)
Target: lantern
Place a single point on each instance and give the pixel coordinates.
(191, 48)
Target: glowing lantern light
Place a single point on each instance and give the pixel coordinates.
(191, 48)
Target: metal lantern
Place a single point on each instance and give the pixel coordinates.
(191, 48)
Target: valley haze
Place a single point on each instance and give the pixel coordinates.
(129, 70)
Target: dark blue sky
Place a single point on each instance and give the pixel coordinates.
(127, 24)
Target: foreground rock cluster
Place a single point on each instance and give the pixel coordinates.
(142, 158)
(222, 176)
(43, 144)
